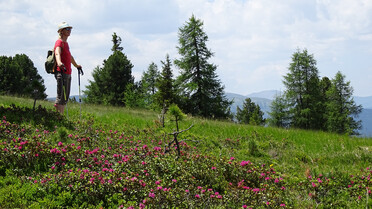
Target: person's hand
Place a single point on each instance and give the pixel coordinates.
(62, 67)
(80, 70)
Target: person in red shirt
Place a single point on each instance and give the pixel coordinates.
(64, 60)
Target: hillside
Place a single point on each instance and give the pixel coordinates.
(115, 157)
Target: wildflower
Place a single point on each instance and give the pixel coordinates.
(157, 148)
(214, 168)
(256, 190)
(244, 206)
(60, 144)
(313, 184)
(282, 205)
(244, 163)
(157, 182)
(53, 167)
(152, 195)
(197, 196)
(174, 180)
(187, 191)
(219, 196)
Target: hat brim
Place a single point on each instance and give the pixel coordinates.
(63, 28)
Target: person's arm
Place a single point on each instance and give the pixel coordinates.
(58, 53)
(74, 62)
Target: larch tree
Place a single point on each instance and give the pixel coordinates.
(303, 91)
(341, 108)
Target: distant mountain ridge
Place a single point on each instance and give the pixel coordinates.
(265, 98)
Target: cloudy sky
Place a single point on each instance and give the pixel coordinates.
(252, 40)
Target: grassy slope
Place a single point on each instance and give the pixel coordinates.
(294, 152)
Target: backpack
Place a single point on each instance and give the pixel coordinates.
(50, 63)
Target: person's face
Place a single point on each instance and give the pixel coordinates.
(67, 31)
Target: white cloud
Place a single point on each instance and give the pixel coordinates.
(253, 40)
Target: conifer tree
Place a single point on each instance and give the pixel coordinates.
(279, 114)
(200, 90)
(303, 91)
(250, 114)
(110, 82)
(341, 108)
(165, 96)
(19, 76)
(149, 84)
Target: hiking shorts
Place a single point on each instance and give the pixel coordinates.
(63, 88)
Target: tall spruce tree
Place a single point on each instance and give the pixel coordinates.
(341, 108)
(198, 85)
(303, 91)
(110, 82)
(165, 96)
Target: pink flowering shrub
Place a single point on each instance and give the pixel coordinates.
(129, 169)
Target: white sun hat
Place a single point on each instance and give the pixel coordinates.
(63, 25)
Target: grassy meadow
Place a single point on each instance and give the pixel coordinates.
(115, 157)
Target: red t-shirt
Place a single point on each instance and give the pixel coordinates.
(65, 55)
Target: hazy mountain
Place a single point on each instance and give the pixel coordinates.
(238, 100)
(366, 102)
(269, 94)
(366, 117)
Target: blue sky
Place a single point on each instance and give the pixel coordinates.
(252, 40)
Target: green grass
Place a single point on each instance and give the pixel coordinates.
(295, 154)
(294, 151)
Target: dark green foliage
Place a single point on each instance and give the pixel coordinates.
(250, 114)
(134, 96)
(310, 103)
(116, 40)
(166, 94)
(198, 85)
(18, 76)
(149, 85)
(279, 114)
(110, 82)
(303, 92)
(341, 108)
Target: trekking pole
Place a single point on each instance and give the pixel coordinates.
(80, 70)
(64, 88)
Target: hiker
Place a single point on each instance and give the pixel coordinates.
(64, 60)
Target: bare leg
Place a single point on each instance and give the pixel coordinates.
(60, 108)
